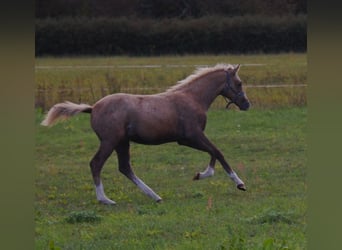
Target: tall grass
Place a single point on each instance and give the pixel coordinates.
(88, 79)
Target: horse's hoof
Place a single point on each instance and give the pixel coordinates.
(196, 177)
(107, 202)
(241, 187)
(159, 201)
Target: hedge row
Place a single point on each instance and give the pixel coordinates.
(103, 36)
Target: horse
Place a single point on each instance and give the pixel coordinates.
(175, 115)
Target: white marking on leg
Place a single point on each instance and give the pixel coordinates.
(236, 178)
(146, 189)
(207, 173)
(101, 196)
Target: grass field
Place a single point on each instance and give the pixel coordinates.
(265, 145)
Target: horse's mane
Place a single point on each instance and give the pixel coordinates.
(198, 73)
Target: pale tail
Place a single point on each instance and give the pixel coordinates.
(63, 111)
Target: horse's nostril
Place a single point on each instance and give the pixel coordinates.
(245, 106)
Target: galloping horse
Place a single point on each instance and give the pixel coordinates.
(176, 115)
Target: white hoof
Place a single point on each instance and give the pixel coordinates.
(101, 196)
(237, 180)
(107, 201)
(208, 172)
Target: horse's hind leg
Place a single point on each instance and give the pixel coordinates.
(96, 164)
(125, 168)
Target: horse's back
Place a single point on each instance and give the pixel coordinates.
(132, 104)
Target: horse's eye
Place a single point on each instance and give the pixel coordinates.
(239, 84)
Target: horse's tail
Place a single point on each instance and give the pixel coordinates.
(64, 111)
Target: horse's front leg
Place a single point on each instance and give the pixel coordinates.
(201, 142)
(208, 172)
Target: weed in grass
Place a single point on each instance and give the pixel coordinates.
(271, 244)
(52, 246)
(273, 216)
(82, 217)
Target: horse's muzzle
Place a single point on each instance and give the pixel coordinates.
(244, 106)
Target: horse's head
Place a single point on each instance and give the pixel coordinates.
(233, 89)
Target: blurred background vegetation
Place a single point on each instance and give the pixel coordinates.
(159, 9)
(142, 27)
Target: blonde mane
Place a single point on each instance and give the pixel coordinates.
(198, 73)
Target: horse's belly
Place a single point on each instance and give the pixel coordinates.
(152, 131)
(151, 139)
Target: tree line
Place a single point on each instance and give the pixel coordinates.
(155, 27)
(167, 8)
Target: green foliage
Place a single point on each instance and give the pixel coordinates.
(130, 36)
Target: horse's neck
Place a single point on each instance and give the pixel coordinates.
(205, 89)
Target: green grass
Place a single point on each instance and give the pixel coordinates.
(87, 79)
(267, 148)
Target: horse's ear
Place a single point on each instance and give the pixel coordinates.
(236, 68)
